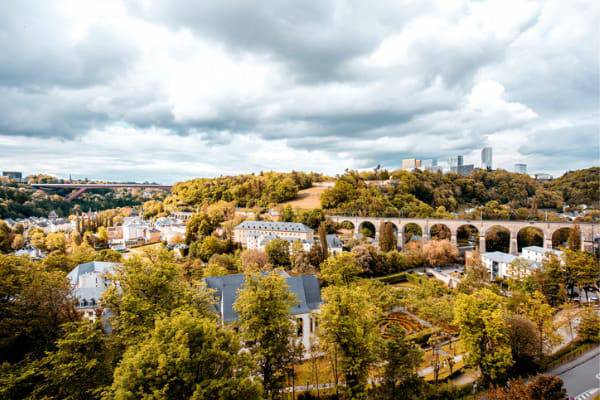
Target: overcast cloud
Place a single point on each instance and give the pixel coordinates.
(168, 90)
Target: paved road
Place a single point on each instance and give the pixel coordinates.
(581, 375)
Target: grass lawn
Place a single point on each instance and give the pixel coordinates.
(141, 249)
(307, 199)
(305, 373)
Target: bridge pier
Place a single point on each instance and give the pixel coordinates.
(453, 239)
(425, 237)
(547, 243)
(514, 249)
(400, 240)
(482, 244)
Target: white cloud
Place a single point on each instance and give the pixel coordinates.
(173, 91)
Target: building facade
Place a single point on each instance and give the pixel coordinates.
(304, 313)
(88, 283)
(521, 168)
(486, 158)
(251, 234)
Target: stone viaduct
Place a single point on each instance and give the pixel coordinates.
(589, 231)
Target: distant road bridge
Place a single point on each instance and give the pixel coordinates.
(589, 230)
(79, 188)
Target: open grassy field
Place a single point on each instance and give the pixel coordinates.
(307, 199)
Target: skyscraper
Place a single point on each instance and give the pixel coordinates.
(486, 158)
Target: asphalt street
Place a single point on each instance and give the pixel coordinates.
(582, 375)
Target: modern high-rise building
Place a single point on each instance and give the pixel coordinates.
(457, 161)
(486, 158)
(409, 164)
(520, 168)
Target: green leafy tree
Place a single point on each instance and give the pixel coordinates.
(79, 368)
(263, 306)
(149, 288)
(185, 356)
(483, 329)
(299, 259)
(348, 327)
(322, 232)
(401, 360)
(574, 241)
(34, 303)
(341, 269)
(551, 280)
(540, 313)
(589, 327)
(56, 241)
(278, 253)
(583, 268)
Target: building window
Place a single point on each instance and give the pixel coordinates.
(299, 327)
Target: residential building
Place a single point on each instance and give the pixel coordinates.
(521, 168)
(134, 229)
(537, 253)
(88, 282)
(428, 164)
(498, 264)
(463, 169)
(251, 233)
(171, 229)
(32, 252)
(305, 288)
(410, 164)
(334, 244)
(486, 158)
(14, 175)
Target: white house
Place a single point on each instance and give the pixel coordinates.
(334, 244)
(33, 252)
(305, 287)
(254, 234)
(134, 229)
(537, 253)
(88, 282)
(498, 264)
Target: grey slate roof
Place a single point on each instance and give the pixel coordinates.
(333, 241)
(499, 256)
(92, 292)
(274, 226)
(542, 250)
(305, 287)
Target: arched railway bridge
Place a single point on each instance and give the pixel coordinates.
(589, 231)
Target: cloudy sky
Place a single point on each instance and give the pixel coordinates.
(167, 90)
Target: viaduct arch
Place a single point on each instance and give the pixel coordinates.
(589, 230)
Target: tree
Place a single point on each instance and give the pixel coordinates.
(253, 260)
(316, 255)
(349, 328)
(520, 277)
(75, 238)
(540, 387)
(34, 302)
(5, 237)
(198, 226)
(278, 253)
(79, 368)
(148, 288)
(483, 329)
(551, 279)
(263, 306)
(102, 237)
(574, 241)
(341, 269)
(18, 242)
(89, 239)
(185, 356)
(589, 327)
(476, 274)
(583, 268)
(544, 387)
(387, 240)
(440, 252)
(299, 259)
(206, 247)
(56, 241)
(401, 359)
(525, 342)
(38, 240)
(322, 232)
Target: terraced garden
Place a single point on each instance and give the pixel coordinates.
(405, 321)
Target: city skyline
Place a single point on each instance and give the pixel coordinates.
(131, 90)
